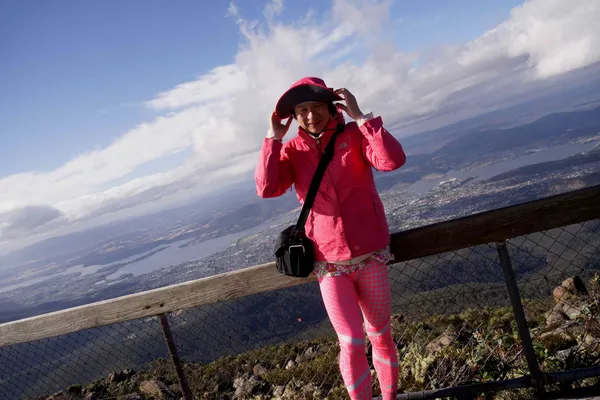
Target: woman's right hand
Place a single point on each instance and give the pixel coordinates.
(278, 129)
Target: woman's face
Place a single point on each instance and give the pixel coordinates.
(312, 116)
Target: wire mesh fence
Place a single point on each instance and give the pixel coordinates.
(557, 271)
(452, 321)
(40, 368)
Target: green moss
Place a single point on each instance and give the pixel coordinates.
(556, 342)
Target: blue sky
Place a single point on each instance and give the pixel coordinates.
(74, 74)
(114, 108)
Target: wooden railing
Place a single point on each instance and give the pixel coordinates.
(488, 227)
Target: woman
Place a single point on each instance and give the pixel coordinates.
(347, 221)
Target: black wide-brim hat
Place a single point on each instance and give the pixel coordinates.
(306, 89)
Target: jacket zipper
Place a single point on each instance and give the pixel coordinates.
(318, 140)
(319, 145)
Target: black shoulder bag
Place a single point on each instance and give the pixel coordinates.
(294, 252)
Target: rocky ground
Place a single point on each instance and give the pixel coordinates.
(477, 345)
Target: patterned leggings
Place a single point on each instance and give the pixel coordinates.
(368, 291)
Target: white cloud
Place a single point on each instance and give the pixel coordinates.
(222, 116)
(272, 9)
(556, 36)
(221, 83)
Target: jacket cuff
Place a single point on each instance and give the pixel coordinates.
(272, 142)
(364, 118)
(371, 127)
(271, 135)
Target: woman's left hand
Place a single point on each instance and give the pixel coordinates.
(351, 106)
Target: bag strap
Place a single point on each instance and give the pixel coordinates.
(317, 178)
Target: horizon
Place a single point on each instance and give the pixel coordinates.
(117, 133)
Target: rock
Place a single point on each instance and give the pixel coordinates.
(561, 331)
(116, 377)
(245, 386)
(155, 388)
(311, 391)
(259, 370)
(556, 318)
(289, 392)
(575, 285)
(571, 311)
(278, 391)
(134, 396)
(563, 355)
(290, 364)
(568, 288)
(308, 354)
(560, 293)
(444, 340)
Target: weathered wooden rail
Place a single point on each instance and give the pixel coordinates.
(489, 227)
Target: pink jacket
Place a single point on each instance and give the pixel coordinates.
(347, 219)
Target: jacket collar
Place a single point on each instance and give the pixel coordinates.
(327, 132)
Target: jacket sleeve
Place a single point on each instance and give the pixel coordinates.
(379, 147)
(273, 173)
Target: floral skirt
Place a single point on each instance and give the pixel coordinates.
(324, 268)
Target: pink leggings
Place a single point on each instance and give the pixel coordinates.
(368, 291)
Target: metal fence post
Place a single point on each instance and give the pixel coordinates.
(537, 376)
(183, 383)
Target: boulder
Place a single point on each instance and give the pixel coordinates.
(278, 390)
(243, 387)
(556, 318)
(575, 285)
(289, 392)
(563, 355)
(570, 287)
(310, 391)
(259, 370)
(155, 388)
(560, 293)
(444, 340)
(307, 355)
(561, 331)
(571, 311)
(246, 386)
